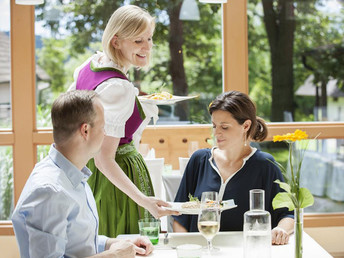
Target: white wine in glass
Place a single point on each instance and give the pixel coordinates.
(208, 228)
(209, 224)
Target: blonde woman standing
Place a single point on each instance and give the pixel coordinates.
(120, 181)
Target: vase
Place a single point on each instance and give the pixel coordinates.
(298, 232)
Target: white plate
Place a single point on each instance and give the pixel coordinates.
(177, 206)
(171, 101)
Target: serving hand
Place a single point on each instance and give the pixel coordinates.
(156, 207)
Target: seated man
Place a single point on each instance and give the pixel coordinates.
(56, 214)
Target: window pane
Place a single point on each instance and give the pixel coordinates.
(5, 66)
(42, 152)
(6, 182)
(186, 60)
(322, 171)
(296, 59)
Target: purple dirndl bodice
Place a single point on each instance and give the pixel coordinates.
(89, 78)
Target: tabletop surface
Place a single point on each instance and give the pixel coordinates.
(231, 245)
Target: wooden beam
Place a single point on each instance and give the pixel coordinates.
(6, 138)
(23, 96)
(235, 46)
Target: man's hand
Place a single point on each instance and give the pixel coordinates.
(122, 249)
(125, 248)
(143, 245)
(155, 207)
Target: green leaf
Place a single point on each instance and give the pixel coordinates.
(193, 199)
(305, 198)
(283, 200)
(283, 185)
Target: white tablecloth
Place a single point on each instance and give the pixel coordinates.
(231, 245)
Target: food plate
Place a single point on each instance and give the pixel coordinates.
(177, 206)
(171, 101)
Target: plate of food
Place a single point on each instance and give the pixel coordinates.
(192, 207)
(163, 98)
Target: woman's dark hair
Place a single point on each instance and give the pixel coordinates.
(242, 108)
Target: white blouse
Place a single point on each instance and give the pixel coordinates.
(118, 98)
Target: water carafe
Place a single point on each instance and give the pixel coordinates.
(257, 227)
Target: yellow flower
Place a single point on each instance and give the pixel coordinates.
(296, 136)
(294, 195)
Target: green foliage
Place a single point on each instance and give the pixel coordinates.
(202, 48)
(85, 21)
(315, 27)
(42, 152)
(43, 116)
(51, 58)
(6, 183)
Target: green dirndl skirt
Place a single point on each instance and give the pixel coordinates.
(118, 213)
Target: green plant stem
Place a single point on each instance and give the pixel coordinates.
(298, 232)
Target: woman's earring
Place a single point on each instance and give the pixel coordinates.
(245, 144)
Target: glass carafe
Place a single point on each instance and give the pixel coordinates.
(257, 227)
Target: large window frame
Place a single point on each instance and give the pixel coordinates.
(24, 136)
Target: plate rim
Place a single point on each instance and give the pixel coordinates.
(171, 101)
(195, 211)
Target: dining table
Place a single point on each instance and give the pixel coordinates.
(230, 244)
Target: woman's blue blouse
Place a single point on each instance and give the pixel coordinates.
(257, 173)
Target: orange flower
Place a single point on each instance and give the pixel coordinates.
(296, 136)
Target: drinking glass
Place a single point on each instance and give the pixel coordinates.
(150, 227)
(209, 218)
(209, 198)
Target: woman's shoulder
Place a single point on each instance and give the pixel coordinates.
(206, 152)
(117, 87)
(262, 157)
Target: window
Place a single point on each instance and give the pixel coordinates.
(5, 66)
(6, 183)
(186, 60)
(295, 74)
(322, 171)
(296, 55)
(6, 160)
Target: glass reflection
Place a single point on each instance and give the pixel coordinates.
(296, 59)
(5, 66)
(187, 56)
(322, 171)
(6, 182)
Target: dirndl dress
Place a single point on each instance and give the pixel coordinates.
(118, 213)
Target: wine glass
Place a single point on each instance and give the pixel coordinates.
(210, 198)
(209, 218)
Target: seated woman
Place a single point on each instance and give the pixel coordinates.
(233, 167)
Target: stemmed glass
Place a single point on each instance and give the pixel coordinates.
(209, 218)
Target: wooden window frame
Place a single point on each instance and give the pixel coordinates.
(24, 136)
